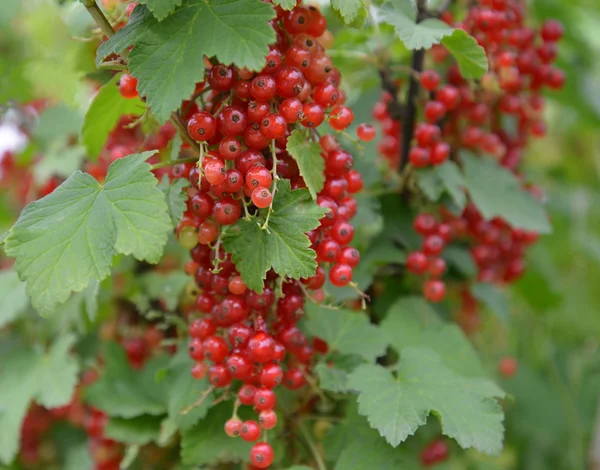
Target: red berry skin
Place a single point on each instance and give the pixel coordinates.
(436, 267)
(215, 349)
(291, 110)
(340, 274)
(434, 111)
(350, 256)
(233, 427)
(552, 30)
(314, 115)
(416, 262)
(435, 452)
(195, 350)
(425, 224)
(293, 379)
(261, 197)
(221, 78)
(366, 132)
(341, 117)
(232, 121)
(257, 111)
(250, 431)
(508, 366)
(419, 157)
(199, 370)
(219, 376)
(246, 394)
(128, 86)
(434, 290)
(239, 366)
(202, 126)
(439, 154)
(264, 399)
(261, 347)
(270, 376)
(433, 245)
(267, 419)
(261, 455)
(263, 88)
(429, 79)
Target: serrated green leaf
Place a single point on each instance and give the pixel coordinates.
(401, 15)
(412, 323)
(284, 246)
(447, 178)
(471, 58)
(331, 378)
(348, 9)
(369, 454)
(161, 8)
(206, 442)
(140, 430)
(497, 193)
(346, 331)
(166, 286)
(175, 196)
(103, 114)
(185, 391)
(13, 295)
(168, 57)
(123, 392)
(492, 298)
(285, 4)
(308, 157)
(65, 239)
(397, 406)
(27, 374)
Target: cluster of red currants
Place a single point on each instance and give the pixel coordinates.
(242, 128)
(497, 117)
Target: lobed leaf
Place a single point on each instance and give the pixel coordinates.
(308, 157)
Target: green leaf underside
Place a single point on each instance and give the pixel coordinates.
(136, 431)
(285, 247)
(123, 392)
(69, 237)
(443, 178)
(493, 298)
(105, 111)
(331, 378)
(175, 196)
(346, 331)
(285, 4)
(423, 35)
(396, 407)
(471, 57)
(497, 193)
(412, 323)
(349, 9)
(161, 8)
(168, 57)
(13, 295)
(25, 375)
(310, 162)
(206, 442)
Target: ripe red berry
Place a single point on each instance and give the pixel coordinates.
(366, 132)
(416, 262)
(340, 274)
(261, 455)
(261, 347)
(267, 419)
(429, 79)
(202, 126)
(434, 453)
(434, 290)
(264, 399)
(507, 366)
(233, 427)
(341, 117)
(128, 86)
(261, 197)
(221, 78)
(250, 431)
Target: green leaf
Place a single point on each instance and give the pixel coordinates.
(346, 331)
(57, 122)
(103, 114)
(369, 454)
(161, 8)
(348, 9)
(493, 298)
(60, 159)
(285, 4)
(299, 467)
(412, 323)
(284, 246)
(471, 58)
(497, 193)
(27, 374)
(185, 391)
(70, 236)
(168, 57)
(447, 178)
(331, 378)
(175, 196)
(166, 286)
(123, 392)
(206, 442)
(461, 259)
(136, 431)
(310, 162)
(14, 298)
(397, 406)
(401, 15)
(131, 455)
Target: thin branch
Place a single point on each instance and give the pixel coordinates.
(98, 15)
(156, 166)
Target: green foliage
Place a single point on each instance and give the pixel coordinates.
(175, 196)
(349, 9)
(104, 113)
(166, 286)
(346, 331)
(397, 406)
(332, 379)
(135, 431)
(161, 8)
(308, 156)
(445, 178)
(27, 374)
(493, 298)
(402, 16)
(497, 193)
(284, 246)
(14, 298)
(285, 4)
(471, 57)
(86, 224)
(168, 58)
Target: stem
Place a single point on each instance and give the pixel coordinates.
(200, 400)
(313, 447)
(118, 64)
(275, 179)
(156, 166)
(98, 15)
(408, 124)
